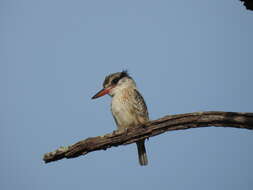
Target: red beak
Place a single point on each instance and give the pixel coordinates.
(102, 93)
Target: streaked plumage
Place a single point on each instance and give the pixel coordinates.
(128, 106)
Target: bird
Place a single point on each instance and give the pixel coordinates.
(127, 106)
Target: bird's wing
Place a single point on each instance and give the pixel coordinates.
(139, 107)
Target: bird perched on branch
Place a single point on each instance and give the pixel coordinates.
(128, 106)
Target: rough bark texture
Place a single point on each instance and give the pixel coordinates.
(153, 128)
(248, 4)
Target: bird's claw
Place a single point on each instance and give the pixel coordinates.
(118, 132)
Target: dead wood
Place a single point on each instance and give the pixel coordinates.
(153, 128)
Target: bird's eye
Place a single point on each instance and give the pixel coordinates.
(115, 81)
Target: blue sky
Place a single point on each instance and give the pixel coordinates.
(185, 56)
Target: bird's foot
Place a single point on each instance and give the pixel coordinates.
(119, 132)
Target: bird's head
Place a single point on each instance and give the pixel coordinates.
(114, 83)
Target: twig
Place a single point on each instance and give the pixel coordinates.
(248, 4)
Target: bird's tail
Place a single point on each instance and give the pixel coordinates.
(143, 159)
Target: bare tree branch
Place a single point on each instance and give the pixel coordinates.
(248, 4)
(153, 128)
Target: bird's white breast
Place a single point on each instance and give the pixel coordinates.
(121, 111)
